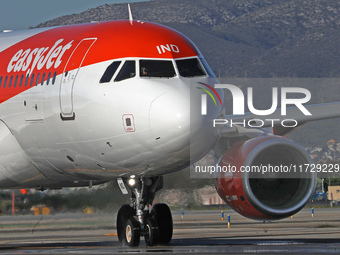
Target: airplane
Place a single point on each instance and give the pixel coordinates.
(85, 104)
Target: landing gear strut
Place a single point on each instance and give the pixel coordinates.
(135, 220)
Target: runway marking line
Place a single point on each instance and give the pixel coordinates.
(111, 234)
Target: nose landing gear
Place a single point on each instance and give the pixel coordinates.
(135, 220)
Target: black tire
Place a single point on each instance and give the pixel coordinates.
(125, 212)
(132, 232)
(162, 214)
(152, 233)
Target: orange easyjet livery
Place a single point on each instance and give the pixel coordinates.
(132, 101)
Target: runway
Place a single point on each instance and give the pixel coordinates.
(197, 232)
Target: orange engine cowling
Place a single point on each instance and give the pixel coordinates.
(280, 188)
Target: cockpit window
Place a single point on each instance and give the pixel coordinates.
(157, 68)
(110, 71)
(128, 71)
(190, 67)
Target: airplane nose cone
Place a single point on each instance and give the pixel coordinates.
(179, 128)
(170, 122)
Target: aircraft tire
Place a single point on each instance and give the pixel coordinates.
(152, 231)
(125, 212)
(161, 212)
(132, 232)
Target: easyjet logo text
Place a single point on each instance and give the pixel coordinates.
(38, 58)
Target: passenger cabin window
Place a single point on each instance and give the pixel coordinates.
(10, 82)
(54, 77)
(128, 71)
(27, 78)
(5, 82)
(157, 68)
(190, 67)
(32, 79)
(16, 81)
(21, 80)
(37, 80)
(110, 71)
(48, 78)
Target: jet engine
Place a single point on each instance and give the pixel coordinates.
(265, 178)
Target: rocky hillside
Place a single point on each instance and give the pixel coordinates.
(245, 38)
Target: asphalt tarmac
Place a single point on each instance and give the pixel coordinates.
(202, 232)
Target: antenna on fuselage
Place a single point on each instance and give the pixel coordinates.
(130, 14)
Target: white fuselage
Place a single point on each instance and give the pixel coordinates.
(76, 129)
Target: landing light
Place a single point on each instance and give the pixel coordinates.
(132, 182)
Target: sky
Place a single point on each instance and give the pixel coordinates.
(21, 14)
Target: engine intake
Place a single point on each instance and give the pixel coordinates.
(268, 182)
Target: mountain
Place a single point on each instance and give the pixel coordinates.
(244, 38)
(252, 38)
